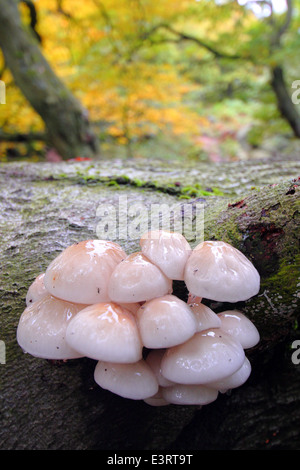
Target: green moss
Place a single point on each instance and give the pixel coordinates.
(225, 229)
(186, 192)
(124, 178)
(217, 192)
(113, 183)
(136, 182)
(197, 191)
(288, 275)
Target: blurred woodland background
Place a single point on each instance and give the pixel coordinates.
(206, 80)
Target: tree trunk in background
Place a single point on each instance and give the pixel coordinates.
(284, 102)
(57, 405)
(67, 124)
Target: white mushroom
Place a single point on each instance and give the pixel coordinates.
(235, 380)
(181, 394)
(132, 307)
(238, 325)
(205, 317)
(106, 332)
(165, 321)
(42, 328)
(95, 301)
(206, 357)
(193, 299)
(216, 270)
(135, 381)
(82, 271)
(136, 279)
(153, 359)
(157, 399)
(37, 290)
(167, 250)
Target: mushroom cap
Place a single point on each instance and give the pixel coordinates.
(37, 290)
(136, 279)
(153, 359)
(132, 307)
(82, 271)
(193, 299)
(42, 327)
(216, 270)
(208, 356)
(135, 381)
(106, 332)
(182, 394)
(240, 327)
(234, 380)
(167, 250)
(165, 321)
(157, 399)
(205, 317)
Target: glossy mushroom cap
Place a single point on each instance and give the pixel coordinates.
(82, 271)
(167, 250)
(165, 321)
(216, 270)
(37, 290)
(154, 359)
(157, 399)
(208, 356)
(95, 301)
(181, 394)
(135, 381)
(136, 279)
(42, 328)
(106, 332)
(205, 317)
(234, 380)
(240, 327)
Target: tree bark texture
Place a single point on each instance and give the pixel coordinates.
(57, 405)
(67, 124)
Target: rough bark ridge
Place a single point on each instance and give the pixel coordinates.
(55, 405)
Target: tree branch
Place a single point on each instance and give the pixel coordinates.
(275, 40)
(186, 37)
(61, 10)
(181, 36)
(288, 18)
(33, 18)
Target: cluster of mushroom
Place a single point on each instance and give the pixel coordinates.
(96, 301)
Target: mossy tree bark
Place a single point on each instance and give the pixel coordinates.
(67, 123)
(57, 405)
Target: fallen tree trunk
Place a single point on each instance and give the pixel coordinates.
(57, 405)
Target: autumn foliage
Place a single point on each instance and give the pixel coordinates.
(142, 82)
